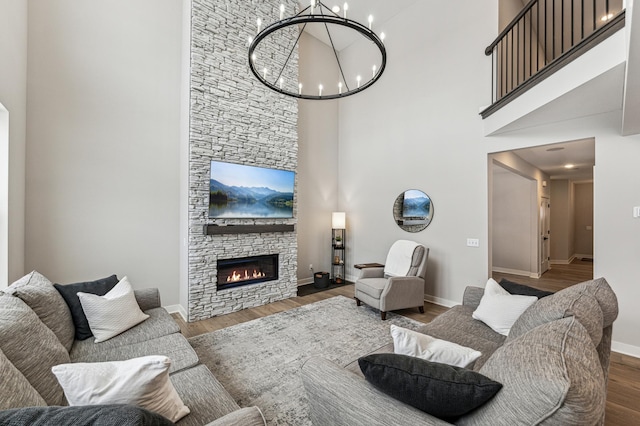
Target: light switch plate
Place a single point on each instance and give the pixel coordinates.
(636, 212)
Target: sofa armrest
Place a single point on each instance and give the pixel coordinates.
(148, 298)
(377, 272)
(339, 397)
(250, 416)
(472, 296)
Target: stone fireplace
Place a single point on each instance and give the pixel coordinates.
(234, 118)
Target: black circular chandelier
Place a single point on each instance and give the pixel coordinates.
(315, 13)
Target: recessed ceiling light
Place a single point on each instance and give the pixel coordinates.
(335, 9)
(569, 166)
(558, 148)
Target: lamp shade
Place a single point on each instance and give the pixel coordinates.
(338, 220)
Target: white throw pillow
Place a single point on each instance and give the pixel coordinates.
(143, 382)
(412, 343)
(113, 313)
(499, 309)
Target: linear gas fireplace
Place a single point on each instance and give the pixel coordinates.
(247, 270)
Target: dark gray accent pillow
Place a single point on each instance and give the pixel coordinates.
(96, 415)
(523, 290)
(442, 390)
(70, 294)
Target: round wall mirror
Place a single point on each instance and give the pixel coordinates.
(413, 210)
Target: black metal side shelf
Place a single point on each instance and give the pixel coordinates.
(246, 229)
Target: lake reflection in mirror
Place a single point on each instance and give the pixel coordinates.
(413, 210)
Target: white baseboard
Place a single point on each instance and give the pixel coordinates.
(562, 261)
(583, 256)
(516, 272)
(172, 309)
(625, 349)
(305, 281)
(440, 301)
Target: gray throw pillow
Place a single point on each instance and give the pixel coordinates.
(523, 290)
(97, 415)
(70, 294)
(442, 390)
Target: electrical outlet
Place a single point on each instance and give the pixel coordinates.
(311, 266)
(473, 242)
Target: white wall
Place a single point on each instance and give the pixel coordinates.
(103, 141)
(419, 127)
(562, 221)
(584, 219)
(13, 95)
(318, 170)
(514, 209)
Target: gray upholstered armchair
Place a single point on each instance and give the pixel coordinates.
(397, 285)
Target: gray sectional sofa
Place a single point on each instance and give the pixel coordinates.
(38, 332)
(553, 366)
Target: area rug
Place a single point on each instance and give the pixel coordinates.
(259, 361)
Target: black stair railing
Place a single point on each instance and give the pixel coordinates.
(540, 35)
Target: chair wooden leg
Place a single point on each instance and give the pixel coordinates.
(421, 309)
(357, 301)
(383, 315)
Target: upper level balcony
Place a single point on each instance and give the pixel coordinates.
(562, 59)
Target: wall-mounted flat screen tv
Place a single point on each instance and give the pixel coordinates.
(241, 191)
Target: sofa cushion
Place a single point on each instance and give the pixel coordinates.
(41, 296)
(99, 415)
(70, 294)
(523, 290)
(413, 343)
(550, 374)
(174, 346)
(113, 313)
(16, 391)
(456, 325)
(562, 304)
(372, 286)
(198, 388)
(499, 309)
(31, 347)
(143, 382)
(160, 323)
(441, 390)
(249, 416)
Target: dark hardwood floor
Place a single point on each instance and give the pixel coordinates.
(623, 393)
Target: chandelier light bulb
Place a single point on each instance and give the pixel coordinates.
(253, 57)
(370, 20)
(320, 90)
(299, 88)
(281, 82)
(335, 9)
(259, 22)
(382, 36)
(281, 11)
(313, 5)
(264, 72)
(373, 71)
(249, 40)
(345, 7)
(358, 78)
(340, 87)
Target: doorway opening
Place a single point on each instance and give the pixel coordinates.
(541, 214)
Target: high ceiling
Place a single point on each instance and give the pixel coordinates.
(359, 10)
